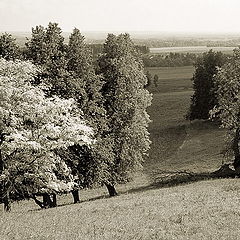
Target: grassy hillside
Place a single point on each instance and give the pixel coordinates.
(177, 143)
(201, 210)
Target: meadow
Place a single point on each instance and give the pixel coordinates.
(186, 145)
(144, 210)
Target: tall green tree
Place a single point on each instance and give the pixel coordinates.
(227, 108)
(203, 99)
(8, 47)
(126, 101)
(90, 165)
(47, 49)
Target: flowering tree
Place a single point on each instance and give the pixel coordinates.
(77, 79)
(228, 103)
(33, 129)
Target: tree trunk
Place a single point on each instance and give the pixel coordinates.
(111, 190)
(7, 202)
(4, 188)
(39, 203)
(54, 200)
(235, 148)
(1, 162)
(47, 202)
(75, 194)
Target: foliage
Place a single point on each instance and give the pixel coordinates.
(203, 99)
(77, 80)
(35, 128)
(46, 48)
(92, 166)
(8, 47)
(97, 48)
(227, 93)
(228, 102)
(126, 101)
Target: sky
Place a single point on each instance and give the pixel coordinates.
(209, 16)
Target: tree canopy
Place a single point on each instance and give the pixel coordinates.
(8, 47)
(203, 99)
(227, 108)
(33, 128)
(126, 101)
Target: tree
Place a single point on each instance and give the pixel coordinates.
(34, 128)
(203, 99)
(126, 102)
(46, 48)
(8, 47)
(149, 79)
(80, 82)
(155, 79)
(227, 108)
(90, 166)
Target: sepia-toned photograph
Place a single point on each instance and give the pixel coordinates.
(119, 120)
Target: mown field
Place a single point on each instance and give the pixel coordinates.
(192, 49)
(171, 79)
(143, 210)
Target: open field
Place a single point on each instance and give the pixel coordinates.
(200, 210)
(192, 49)
(171, 79)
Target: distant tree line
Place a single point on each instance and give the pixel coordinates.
(70, 124)
(97, 48)
(170, 60)
(183, 42)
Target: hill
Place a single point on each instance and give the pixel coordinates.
(200, 210)
(203, 210)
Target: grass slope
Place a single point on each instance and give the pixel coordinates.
(178, 144)
(201, 210)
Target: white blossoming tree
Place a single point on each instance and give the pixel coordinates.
(33, 127)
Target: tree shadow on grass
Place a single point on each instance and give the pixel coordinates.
(87, 200)
(71, 203)
(166, 179)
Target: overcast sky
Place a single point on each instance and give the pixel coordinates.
(123, 15)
